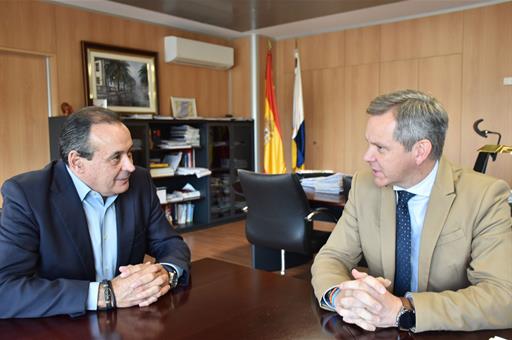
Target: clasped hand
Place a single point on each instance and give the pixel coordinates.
(366, 302)
(140, 284)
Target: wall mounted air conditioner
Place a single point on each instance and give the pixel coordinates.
(197, 53)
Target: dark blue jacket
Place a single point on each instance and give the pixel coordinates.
(46, 257)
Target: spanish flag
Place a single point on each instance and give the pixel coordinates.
(299, 130)
(273, 162)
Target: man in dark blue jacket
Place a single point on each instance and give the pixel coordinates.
(73, 235)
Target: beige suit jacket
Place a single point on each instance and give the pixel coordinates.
(465, 261)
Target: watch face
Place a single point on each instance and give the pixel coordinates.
(173, 278)
(407, 320)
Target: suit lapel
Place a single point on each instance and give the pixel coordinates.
(441, 200)
(125, 217)
(68, 208)
(387, 231)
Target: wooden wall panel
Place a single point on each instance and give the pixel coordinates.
(398, 75)
(42, 29)
(324, 117)
(285, 107)
(424, 37)
(322, 51)
(461, 58)
(284, 56)
(241, 78)
(362, 45)
(24, 141)
(441, 77)
(209, 87)
(487, 60)
(361, 86)
(27, 25)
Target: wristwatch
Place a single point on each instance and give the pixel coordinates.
(110, 298)
(406, 317)
(173, 277)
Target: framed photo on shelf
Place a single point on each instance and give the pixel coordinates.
(183, 107)
(126, 78)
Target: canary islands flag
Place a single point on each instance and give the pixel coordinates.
(299, 130)
(273, 158)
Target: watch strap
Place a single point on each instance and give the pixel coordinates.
(109, 296)
(173, 276)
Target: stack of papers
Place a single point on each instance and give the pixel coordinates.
(332, 184)
(199, 172)
(173, 144)
(186, 134)
(188, 192)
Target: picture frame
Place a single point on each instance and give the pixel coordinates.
(125, 77)
(183, 107)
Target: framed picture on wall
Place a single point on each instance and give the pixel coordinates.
(126, 78)
(183, 107)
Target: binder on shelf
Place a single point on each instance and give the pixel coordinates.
(184, 213)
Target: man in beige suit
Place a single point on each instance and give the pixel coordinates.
(453, 238)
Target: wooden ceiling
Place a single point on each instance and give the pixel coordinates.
(247, 15)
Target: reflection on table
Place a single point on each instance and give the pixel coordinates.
(224, 301)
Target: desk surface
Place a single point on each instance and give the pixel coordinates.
(225, 301)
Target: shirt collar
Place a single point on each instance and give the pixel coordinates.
(423, 188)
(80, 186)
(83, 189)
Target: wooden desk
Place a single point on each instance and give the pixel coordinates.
(224, 301)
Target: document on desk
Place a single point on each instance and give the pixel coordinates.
(332, 184)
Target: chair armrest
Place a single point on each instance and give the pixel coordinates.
(321, 211)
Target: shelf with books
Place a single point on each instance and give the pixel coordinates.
(210, 153)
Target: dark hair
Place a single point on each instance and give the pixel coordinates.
(77, 127)
(418, 116)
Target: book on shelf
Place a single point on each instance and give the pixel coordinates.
(161, 172)
(173, 159)
(158, 165)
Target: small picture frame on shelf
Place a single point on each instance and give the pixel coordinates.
(183, 107)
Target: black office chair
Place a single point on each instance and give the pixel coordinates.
(279, 216)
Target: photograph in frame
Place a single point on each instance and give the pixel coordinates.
(126, 78)
(183, 107)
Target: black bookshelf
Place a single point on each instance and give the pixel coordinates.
(224, 147)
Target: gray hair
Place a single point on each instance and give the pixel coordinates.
(418, 116)
(77, 127)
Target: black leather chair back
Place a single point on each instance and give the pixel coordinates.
(277, 207)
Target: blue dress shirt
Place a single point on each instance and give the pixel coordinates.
(101, 221)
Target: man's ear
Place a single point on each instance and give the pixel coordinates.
(75, 162)
(422, 150)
